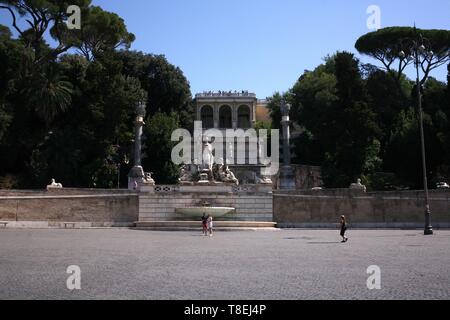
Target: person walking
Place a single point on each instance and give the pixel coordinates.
(210, 225)
(343, 224)
(205, 224)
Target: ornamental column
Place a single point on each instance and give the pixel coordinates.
(235, 115)
(287, 178)
(137, 177)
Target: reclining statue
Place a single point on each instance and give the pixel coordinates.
(226, 175)
(54, 185)
(358, 186)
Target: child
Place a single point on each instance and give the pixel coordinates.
(205, 224)
(210, 225)
(343, 229)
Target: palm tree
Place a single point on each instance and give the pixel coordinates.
(49, 94)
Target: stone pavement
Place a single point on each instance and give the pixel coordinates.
(284, 264)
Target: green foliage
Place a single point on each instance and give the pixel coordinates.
(102, 31)
(43, 16)
(340, 131)
(167, 87)
(80, 149)
(158, 147)
(388, 99)
(390, 41)
(385, 45)
(275, 109)
(11, 65)
(71, 117)
(49, 93)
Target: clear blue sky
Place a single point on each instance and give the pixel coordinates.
(260, 45)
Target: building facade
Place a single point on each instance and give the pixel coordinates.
(230, 109)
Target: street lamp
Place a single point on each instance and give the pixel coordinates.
(417, 50)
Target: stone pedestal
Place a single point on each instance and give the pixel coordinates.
(287, 178)
(137, 178)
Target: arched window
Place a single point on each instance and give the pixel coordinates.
(225, 117)
(244, 117)
(207, 115)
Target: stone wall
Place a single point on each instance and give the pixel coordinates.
(90, 207)
(306, 177)
(252, 202)
(372, 209)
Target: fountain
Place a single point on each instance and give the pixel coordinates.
(206, 187)
(197, 212)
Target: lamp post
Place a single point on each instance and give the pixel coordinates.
(417, 50)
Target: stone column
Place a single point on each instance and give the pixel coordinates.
(199, 114)
(216, 115)
(287, 179)
(234, 111)
(137, 177)
(253, 115)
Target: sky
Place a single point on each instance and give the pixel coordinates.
(262, 46)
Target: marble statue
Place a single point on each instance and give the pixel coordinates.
(208, 157)
(187, 174)
(226, 175)
(148, 178)
(358, 186)
(54, 185)
(264, 180)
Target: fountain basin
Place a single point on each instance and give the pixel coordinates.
(197, 212)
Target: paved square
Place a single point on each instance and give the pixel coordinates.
(285, 264)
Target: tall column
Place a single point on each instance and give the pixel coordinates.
(287, 178)
(234, 111)
(199, 113)
(253, 112)
(216, 115)
(137, 177)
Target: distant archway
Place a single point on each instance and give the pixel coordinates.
(225, 117)
(244, 117)
(207, 116)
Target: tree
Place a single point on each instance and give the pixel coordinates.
(167, 88)
(386, 44)
(102, 31)
(157, 132)
(41, 17)
(388, 102)
(11, 66)
(274, 107)
(49, 93)
(403, 154)
(315, 90)
(340, 129)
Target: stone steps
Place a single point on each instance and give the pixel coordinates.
(196, 225)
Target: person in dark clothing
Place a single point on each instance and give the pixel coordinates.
(343, 228)
(205, 224)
